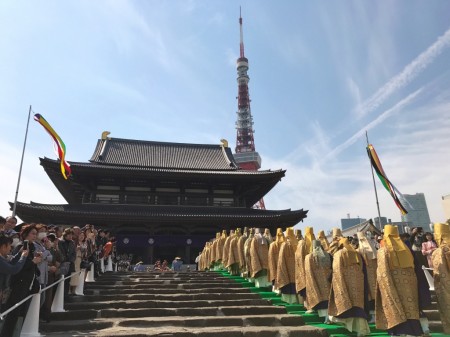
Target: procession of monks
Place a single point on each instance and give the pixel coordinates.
(343, 284)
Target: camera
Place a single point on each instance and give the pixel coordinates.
(25, 245)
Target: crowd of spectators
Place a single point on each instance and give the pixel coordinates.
(33, 256)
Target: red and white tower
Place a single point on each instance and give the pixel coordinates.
(246, 155)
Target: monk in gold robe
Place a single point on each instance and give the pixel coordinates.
(226, 249)
(441, 272)
(323, 240)
(241, 251)
(233, 255)
(367, 250)
(304, 248)
(274, 252)
(248, 263)
(268, 235)
(285, 280)
(318, 279)
(347, 296)
(205, 257)
(298, 234)
(214, 251)
(397, 301)
(219, 249)
(259, 257)
(336, 237)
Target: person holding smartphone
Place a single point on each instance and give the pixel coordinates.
(22, 283)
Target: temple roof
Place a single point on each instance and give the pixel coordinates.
(154, 214)
(255, 183)
(150, 154)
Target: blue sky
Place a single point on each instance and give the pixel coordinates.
(321, 73)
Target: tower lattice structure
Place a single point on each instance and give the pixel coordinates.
(246, 155)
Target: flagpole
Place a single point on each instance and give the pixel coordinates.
(374, 187)
(21, 164)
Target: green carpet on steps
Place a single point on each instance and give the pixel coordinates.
(309, 318)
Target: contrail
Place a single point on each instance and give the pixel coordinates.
(338, 149)
(406, 76)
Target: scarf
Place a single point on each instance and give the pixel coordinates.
(399, 254)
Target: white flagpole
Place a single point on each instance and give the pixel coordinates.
(21, 164)
(375, 188)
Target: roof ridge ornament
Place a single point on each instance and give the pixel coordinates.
(224, 142)
(105, 135)
(105, 139)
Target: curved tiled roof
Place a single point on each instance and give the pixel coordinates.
(145, 213)
(139, 153)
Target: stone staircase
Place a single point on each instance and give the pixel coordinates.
(201, 304)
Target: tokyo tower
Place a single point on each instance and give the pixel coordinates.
(246, 156)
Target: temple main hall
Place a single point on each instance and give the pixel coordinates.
(160, 199)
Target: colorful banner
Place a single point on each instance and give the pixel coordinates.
(376, 164)
(59, 145)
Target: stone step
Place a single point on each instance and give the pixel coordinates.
(112, 291)
(160, 281)
(137, 304)
(436, 326)
(247, 331)
(164, 312)
(177, 321)
(432, 315)
(165, 286)
(164, 297)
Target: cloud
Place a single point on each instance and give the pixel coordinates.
(415, 157)
(354, 90)
(409, 73)
(381, 118)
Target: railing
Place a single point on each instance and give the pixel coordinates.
(31, 323)
(429, 277)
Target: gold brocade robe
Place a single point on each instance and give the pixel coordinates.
(233, 255)
(286, 265)
(219, 249)
(397, 293)
(317, 279)
(274, 252)
(241, 251)
(441, 271)
(248, 263)
(226, 251)
(213, 253)
(371, 266)
(300, 254)
(259, 255)
(347, 286)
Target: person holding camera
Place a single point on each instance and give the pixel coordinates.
(416, 240)
(8, 267)
(25, 282)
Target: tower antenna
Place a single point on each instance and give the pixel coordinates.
(241, 45)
